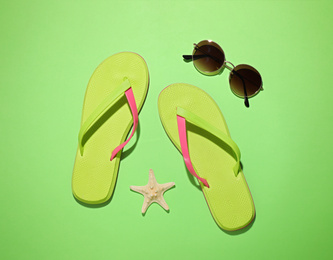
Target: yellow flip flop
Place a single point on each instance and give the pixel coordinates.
(197, 128)
(115, 94)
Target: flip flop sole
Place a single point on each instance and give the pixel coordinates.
(94, 175)
(229, 198)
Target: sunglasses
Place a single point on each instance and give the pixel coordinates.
(209, 59)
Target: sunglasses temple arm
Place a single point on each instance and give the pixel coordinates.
(187, 57)
(194, 57)
(246, 100)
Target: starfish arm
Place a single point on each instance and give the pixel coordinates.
(146, 204)
(163, 204)
(140, 189)
(167, 186)
(152, 179)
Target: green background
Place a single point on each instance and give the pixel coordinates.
(49, 49)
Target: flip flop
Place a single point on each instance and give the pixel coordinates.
(197, 128)
(115, 93)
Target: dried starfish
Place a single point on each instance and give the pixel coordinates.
(153, 192)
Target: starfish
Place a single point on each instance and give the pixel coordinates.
(153, 192)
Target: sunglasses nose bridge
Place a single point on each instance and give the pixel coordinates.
(228, 67)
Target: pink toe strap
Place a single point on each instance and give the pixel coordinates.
(184, 146)
(131, 101)
(184, 116)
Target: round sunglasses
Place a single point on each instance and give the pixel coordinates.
(209, 59)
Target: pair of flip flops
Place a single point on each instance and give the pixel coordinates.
(192, 120)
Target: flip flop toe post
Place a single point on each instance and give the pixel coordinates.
(196, 126)
(114, 96)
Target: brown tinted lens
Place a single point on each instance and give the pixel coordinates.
(245, 76)
(208, 57)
